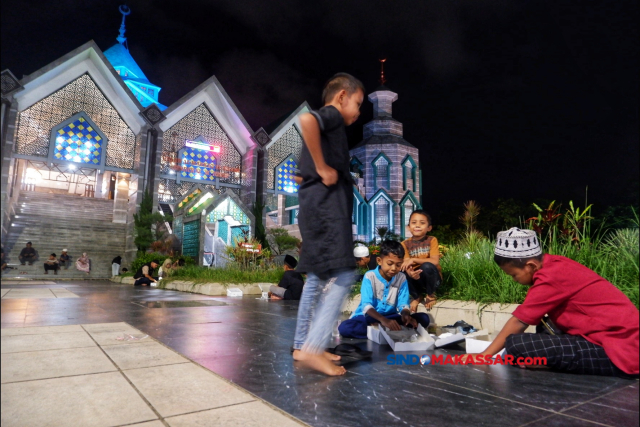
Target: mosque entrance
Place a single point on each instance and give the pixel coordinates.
(67, 179)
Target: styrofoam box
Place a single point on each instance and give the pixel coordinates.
(234, 292)
(424, 342)
(477, 342)
(373, 333)
(452, 339)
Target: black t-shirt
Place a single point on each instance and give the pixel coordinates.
(325, 212)
(117, 260)
(293, 282)
(28, 252)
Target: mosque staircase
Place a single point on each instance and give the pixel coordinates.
(53, 222)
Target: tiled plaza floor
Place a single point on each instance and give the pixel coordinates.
(247, 341)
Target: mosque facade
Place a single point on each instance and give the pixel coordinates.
(93, 118)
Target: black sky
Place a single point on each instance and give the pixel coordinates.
(521, 99)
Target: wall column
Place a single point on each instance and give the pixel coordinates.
(121, 202)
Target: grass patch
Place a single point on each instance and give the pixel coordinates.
(228, 275)
(473, 276)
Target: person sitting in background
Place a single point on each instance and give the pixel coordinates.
(84, 263)
(115, 265)
(144, 275)
(27, 254)
(65, 259)
(361, 254)
(291, 285)
(51, 264)
(125, 270)
(168, 267)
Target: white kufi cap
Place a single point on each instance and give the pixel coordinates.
(360, 251)
(517, 243)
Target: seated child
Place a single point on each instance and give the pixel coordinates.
(291, 284)
(422, 252)
(65, 259)
(51, 264)
(385, 296)
(599, 323)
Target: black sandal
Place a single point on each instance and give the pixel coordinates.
(350, 351)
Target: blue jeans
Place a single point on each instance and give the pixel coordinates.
(319, 308)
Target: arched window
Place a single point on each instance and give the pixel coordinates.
(408, 208)
(409, 174)
(381, 208)
(382, 172)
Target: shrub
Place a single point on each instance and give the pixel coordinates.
(281, 241)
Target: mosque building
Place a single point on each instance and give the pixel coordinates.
(90, 127)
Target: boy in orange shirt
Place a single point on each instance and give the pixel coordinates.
(421, 252)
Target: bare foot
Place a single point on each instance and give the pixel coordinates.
(430, 301)
(320, 363)
(329, 356)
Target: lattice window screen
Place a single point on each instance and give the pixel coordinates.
(35, 123)
(290, 143)
(200, 122)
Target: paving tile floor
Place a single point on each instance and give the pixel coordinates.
(83, 375)
(247, 341)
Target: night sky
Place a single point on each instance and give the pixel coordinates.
(504, 99)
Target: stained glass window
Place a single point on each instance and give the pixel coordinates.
(198, 164)
(289, 144)
(78, 142)
(285, 176)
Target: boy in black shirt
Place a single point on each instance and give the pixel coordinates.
(291, 284)
(326, 202)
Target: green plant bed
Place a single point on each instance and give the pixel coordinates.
(474, 276)
(227, 275)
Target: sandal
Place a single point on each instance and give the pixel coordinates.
(350, 351)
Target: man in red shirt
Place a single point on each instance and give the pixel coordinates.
(598, 323)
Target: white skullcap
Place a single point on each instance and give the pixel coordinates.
(517, 243)
(360, 251)
(64, 250)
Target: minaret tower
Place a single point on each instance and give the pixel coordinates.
(388, 166)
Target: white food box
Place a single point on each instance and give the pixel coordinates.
(374, 334)
(423, 343)
(451, 339)
(234, 292)
(477, 342)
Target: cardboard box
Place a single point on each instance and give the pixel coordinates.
(424, 342)
(234, 292)
(374, 334)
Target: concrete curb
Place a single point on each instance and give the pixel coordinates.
(212, 289)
